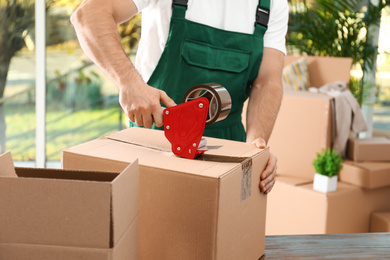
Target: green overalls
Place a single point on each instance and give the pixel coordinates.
(196, 54)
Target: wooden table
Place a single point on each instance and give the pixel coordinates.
(335, 246)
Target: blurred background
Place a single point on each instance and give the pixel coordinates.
(82, 103)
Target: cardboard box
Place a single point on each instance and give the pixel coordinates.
(125, 249)
(369, 149)
(206, 208)
(305, 123)
(294, 208)
(324, 70)
(369, 175)
(64, 208)
(302, 129)
(380, 222)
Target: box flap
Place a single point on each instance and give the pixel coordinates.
(55, 212)
(138, 136)
(155, 139)
(7, 165)
(116, 147)
(125, 200)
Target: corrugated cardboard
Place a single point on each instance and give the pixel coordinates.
(302, 129)
(125, 249)
(369, 175)
(66, 208)
(295, 208)
(369, 149)
(207, 208)
(324, 70)
(380, 222)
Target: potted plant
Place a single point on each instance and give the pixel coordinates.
(328, 165)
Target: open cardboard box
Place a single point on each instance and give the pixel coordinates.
(206, 208)
(294, 208)
(305, 123)
(73, 214)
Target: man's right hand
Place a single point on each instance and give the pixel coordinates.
(142, 106)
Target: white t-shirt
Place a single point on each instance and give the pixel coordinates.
(238, 16)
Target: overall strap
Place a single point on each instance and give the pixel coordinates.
(262, 12)
(180, 3)
(262, 17)
(179, 8)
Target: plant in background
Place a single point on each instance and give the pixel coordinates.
(328, 163)
(336, 28)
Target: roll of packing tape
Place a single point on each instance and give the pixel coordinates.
(218, 96)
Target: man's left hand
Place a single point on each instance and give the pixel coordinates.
(267, 177)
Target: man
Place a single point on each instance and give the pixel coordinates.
(184, 43)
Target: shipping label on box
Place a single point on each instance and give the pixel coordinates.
(206, 208)
(65, 207)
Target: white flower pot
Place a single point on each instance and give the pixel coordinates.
(324, 183)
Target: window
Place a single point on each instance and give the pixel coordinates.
(77, 101)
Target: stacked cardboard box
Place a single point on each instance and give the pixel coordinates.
(206, 208)
(295, 208)
(380, 222)
(63, 214)
(376, 149)
(368, 165)
(304, 127)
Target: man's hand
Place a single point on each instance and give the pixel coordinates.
(142, 105)
(267, 177)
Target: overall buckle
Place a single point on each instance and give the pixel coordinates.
(180, 3)
(262, 16)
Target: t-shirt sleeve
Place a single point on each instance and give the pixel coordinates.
(142, 4)
(275, 36)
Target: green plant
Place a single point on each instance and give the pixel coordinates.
(328, 163)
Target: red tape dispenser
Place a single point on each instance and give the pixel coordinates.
(184, 124)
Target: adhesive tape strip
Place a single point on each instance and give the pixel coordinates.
(218, 96)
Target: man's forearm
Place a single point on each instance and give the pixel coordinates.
(265, 97)
(263, 108)
(95, 22)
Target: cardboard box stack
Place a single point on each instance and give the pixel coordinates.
(368, 163)
(304, 127)
(206, 208)
(67, 215)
